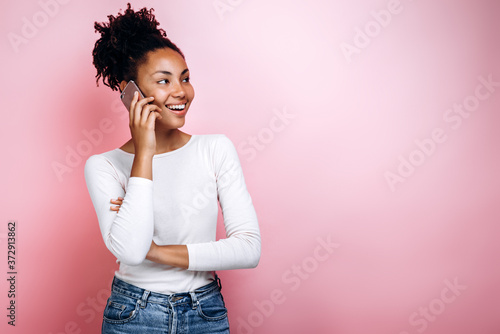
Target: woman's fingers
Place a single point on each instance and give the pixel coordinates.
(148, 111)
(118, 201)
(151, 116)
(140, 108)
(142, 124)
(132, 107)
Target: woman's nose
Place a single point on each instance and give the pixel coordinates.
(178, 90)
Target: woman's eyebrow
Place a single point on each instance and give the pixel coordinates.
(169, 73)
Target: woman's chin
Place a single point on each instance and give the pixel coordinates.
(170, 124)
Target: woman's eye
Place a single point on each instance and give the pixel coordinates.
(186, 80)
(164, 81)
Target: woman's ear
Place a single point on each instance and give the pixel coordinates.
(122, 85)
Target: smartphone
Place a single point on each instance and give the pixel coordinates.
(128, 93)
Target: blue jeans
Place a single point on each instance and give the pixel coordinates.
(131, 309)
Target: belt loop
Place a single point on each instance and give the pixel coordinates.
(194, 300)
(144, 298)
(219, 283)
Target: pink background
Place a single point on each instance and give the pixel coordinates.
(315, 175)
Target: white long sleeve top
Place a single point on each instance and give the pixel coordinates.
(178, 207)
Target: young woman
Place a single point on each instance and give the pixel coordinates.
(165, 186)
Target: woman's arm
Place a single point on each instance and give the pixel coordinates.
(142, 166)
(127, 233)
(242, 245)
(172, 255)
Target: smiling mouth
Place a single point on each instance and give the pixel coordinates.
(176, 107)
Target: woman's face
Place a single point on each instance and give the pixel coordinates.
(165, 76)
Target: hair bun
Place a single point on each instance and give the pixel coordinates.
(124, 41)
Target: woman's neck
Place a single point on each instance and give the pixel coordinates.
(165, 141)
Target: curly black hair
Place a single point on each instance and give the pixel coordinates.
(125, 41)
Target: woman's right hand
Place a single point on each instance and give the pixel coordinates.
(143, 115)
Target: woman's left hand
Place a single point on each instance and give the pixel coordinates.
(118, 202)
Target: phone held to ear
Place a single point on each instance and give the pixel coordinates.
(128, 93)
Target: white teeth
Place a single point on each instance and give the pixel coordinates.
(177, 107)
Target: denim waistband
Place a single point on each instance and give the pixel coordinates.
(145, 296)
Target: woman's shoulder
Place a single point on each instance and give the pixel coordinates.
(108, 159)
(218, 145)
(214, 139)
(107, 154)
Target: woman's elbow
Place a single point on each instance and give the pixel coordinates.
(131, 259)
(131, 256)
(254, 262)
(254, 257)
